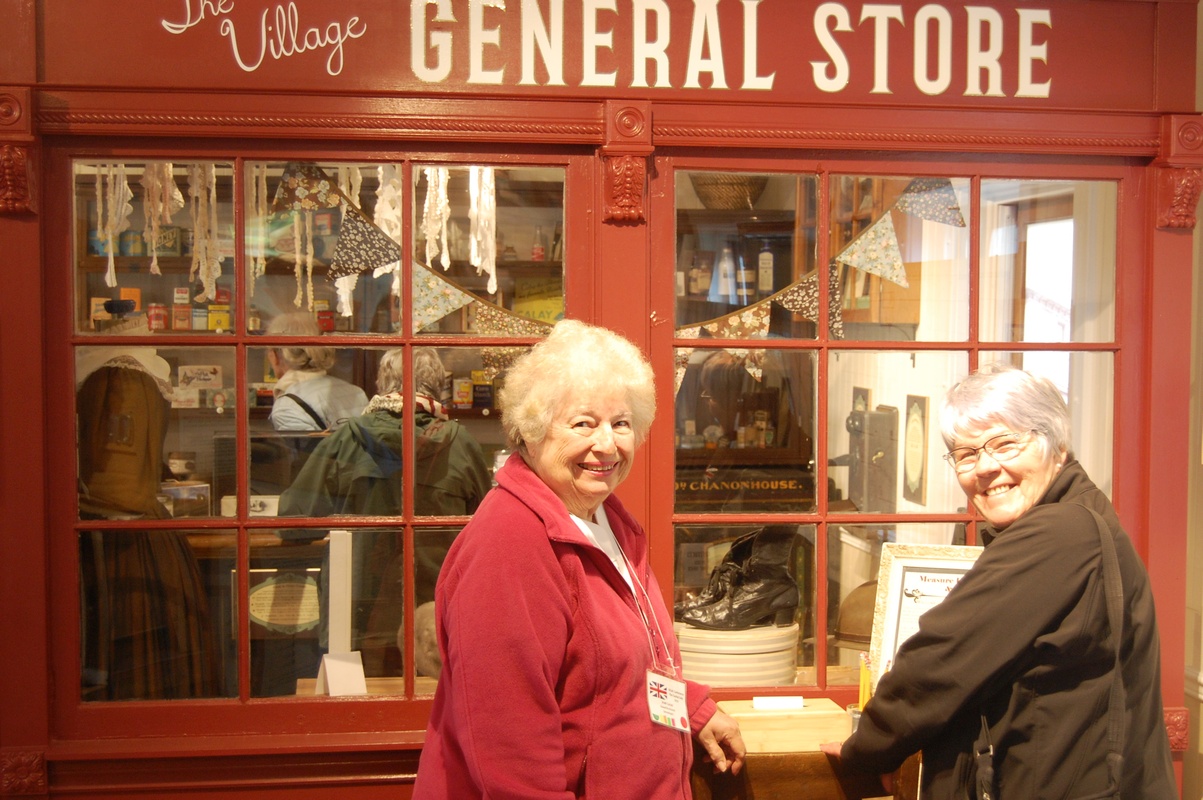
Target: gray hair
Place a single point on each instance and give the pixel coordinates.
(1000, 393)
(429, 372)
(576, 359)
(301, 323)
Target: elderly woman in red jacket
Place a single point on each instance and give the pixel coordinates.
(561, 674)
(1018, 663)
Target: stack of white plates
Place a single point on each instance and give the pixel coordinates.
(763, 656)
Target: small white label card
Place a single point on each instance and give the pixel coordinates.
(666, 701)
(341, 674)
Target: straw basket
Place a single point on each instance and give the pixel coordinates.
(728, 190)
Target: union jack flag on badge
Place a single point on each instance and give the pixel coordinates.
(658, 690)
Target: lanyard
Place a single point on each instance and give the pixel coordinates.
(671, 668)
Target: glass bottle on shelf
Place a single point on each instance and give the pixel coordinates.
(745, 281)
(724, 289)
(537, 251)
(764, 270)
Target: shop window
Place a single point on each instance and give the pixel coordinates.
(896, 333)
(259, 390)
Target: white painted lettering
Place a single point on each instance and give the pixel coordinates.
(535, 33)
(201, 8)
(478, 37)
(593, 40)
(282, 37)
(983, 58)
(881, 16)
(705, 31)
(644, 49)
(833, 75)
(943, 21)
(752, 50)
(439, 41)
(1029, 51)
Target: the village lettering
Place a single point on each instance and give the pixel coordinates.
(280, 33)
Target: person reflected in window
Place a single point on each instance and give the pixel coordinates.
(1019, 662)
(307, 397)
(552, 629)
(358, 470)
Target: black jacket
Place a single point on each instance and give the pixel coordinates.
(1024, 639)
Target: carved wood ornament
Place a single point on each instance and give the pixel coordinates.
(624, 161)
(16, 172)
(22, 773)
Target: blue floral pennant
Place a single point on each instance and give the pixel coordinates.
(876, 251)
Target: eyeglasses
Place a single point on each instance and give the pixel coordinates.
(1003, 447)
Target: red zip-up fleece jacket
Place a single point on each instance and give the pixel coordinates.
(543, 692)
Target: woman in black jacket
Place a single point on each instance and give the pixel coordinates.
(1023, 641)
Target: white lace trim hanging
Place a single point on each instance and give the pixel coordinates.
(113, 209)
(257, 186)
(206, 259)
(482, 216)
(436, 212)
(387, 217)
(350, 181)
(161, 198)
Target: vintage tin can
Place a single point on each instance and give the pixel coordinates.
(181, 318)
(200, 318)
(219, 317)
(156, 316)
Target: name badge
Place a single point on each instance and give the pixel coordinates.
(666, 701)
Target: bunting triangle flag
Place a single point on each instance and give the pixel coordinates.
(876, 251)
(681, 361)
(802, 298)
(932, 199)
(492, 320)
(433, 297)
(304, 187)
(750, 323)
(361, 247)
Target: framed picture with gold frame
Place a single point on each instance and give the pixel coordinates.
(912, 578)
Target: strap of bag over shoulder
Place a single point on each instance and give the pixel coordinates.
(308, 409)
(1114, 590)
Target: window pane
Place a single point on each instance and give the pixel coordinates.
(901, 246)
(325, 238)
(853, 558)
(154, 247)
(1087, 382)
(152, 616)
(745, 424)
(746, 244)
(883, 430)
(744, 603)
(147, 422)
(1048, 261)
(488, 250)
(356, 467)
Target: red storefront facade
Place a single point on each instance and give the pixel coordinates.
(600, 121)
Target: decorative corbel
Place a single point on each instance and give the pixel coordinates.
(624, 160)
(16, 152)
(1177, 726)
(1179, 172)
(22, 772)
